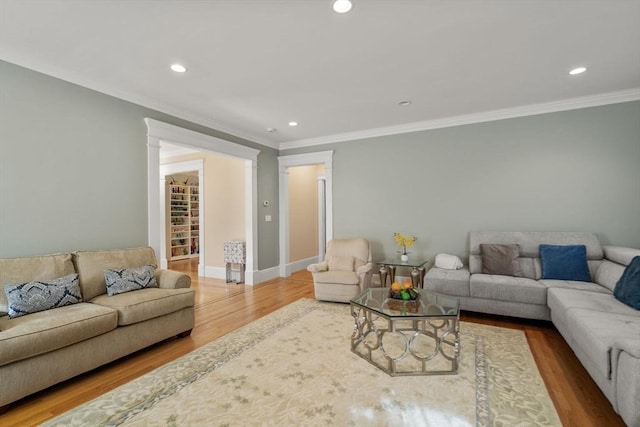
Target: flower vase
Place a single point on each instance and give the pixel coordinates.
(404, 257)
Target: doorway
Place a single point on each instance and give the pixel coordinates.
(324, 158)
(306, 216)
(182, 213)
(158, 132)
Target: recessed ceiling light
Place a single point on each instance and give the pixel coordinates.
(342, 6)
(178, 68)
(293, 124)
(404, 103)
(578, 70)
(271, 129)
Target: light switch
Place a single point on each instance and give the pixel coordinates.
(267, 218)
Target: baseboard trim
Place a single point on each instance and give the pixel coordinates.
(300, 265)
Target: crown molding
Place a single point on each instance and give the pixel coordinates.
(488, 116)
(180, 136)
(522, 111)
(77, 79)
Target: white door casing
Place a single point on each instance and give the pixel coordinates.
(284, 163)
(159, 131)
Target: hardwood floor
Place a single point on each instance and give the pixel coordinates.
(222, 308)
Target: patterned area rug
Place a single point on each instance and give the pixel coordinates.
(294, 367)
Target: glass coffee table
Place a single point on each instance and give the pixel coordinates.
(420, 337)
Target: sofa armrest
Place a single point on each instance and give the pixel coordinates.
(619, 254)
(364, 269)
(628, 345)
(319, 267)
(170, 279)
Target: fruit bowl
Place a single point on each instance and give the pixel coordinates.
(404, 292)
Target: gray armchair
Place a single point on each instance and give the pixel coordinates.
(345, 272)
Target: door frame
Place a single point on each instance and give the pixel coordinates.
(284, 163)
(158, 131)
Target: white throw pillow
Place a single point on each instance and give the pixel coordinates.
(448, 262)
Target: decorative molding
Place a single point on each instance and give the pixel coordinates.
(186, 137)
(260, 276)
(143, 101)
(300, 265)
(305, 159)
(284, 163)
(215, 272)
(527, 110)
(159, 131)
(488, 116)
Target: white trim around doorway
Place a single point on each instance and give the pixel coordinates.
(159, 131)
(284, 163)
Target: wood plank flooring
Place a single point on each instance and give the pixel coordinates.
(222, 308)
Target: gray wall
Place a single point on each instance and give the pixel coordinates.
(577, 170)
(73, 168)
(73, 175)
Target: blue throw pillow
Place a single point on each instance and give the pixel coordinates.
(565, 262)
(627, 289)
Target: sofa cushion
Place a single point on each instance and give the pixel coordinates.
(579, 286)
(92, 264)
(341, 263)
(564, 262)
(620, 254)
(338, 277)
(448, 282)
(45, 331)
(31, 297)
(506, 288)
(608, 274)
(627, 289)
(20, 270)
(145, 304)
(562, 300)
(530, 241)
(500, 259)
(596, 333)
(130, 279)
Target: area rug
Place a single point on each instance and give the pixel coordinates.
(294, 367)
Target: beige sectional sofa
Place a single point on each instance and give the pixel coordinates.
(40, 349)
(603, 332)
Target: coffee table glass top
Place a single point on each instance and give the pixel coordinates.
(397, 262)
(428, 304)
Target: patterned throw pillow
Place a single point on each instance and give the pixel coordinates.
(31, 297)
(130, 279)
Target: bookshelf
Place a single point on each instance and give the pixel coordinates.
(184, 228)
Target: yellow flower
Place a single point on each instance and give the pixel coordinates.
(402, 240)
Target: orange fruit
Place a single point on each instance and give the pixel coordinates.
(396, 286)
(408, 285)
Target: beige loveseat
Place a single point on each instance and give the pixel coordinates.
(41, 349)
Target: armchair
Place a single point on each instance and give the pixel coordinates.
(345, 272)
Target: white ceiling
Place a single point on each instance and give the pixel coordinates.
(255, 64)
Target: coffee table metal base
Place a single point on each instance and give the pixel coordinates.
(407, 355)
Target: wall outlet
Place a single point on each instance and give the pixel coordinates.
(267, 218)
